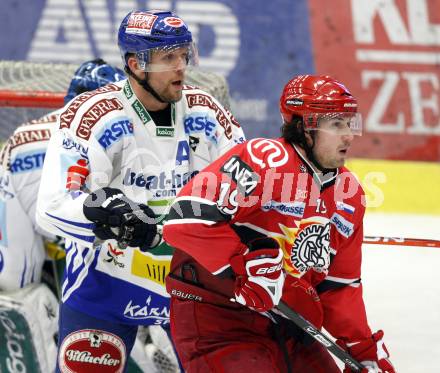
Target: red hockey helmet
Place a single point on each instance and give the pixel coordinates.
(313, 97)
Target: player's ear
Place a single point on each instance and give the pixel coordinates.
(133, 64)
(309, 138)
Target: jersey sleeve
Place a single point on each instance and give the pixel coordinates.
(200, 218)
(72, 167)
(27, 150)
(341, 290)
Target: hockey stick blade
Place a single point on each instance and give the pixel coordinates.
(401, 241)
(331, 346)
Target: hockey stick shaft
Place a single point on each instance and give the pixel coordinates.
(400, 241)
(331, 346)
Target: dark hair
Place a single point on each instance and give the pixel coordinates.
(293, 131)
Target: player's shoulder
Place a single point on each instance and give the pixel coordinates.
(83, 112)
(33, 134)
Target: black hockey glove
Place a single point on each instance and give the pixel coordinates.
(117, 217)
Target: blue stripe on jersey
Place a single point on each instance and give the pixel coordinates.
(80, 236)
(74, 223)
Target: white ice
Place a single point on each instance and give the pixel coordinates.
(402, 290)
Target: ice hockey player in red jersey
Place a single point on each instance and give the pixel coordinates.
(275, 219)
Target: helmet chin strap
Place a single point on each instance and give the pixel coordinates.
(145, 85)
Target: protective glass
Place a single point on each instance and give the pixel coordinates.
(340, 123)
(168, 58)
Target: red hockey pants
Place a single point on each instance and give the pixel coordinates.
(211, 338)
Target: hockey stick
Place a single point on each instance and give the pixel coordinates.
(331, 346)
(400, 241)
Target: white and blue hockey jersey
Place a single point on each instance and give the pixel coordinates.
(22, 250)
(107, 138)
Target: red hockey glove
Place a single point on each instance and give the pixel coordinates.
(259, 275)
(371, 353)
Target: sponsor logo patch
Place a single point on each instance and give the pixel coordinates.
(70, 144)
(164, 184)
(67, 116)
(147, 266)
(77, 175)
(164, 131)
(27, 162)
(201, 124)
(295, 209)
(26, 137)
(97, 111)
(243, 175)
(92, 351)
(295, 102)
(146, 311)
(204, 100)
(173, 21)
(114, 132)
(140, 23)
(266, 152)
(141, 112)
(186, 296)
(342, 225)
(128, 92)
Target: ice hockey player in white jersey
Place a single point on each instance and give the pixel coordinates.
(22, 250)
(121, 155)
(28, 309)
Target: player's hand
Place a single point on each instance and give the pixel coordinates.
(259, 275)
(371, 353)
(117, 217)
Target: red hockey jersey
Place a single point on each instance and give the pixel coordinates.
(266, 187)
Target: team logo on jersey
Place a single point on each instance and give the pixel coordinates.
(342, 225)
(92, 351)
(243, 175)
(311, 248)
(146, 311)
(268, 151)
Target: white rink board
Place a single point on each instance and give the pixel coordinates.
(402, 290)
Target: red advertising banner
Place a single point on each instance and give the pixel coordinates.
(387, 53)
